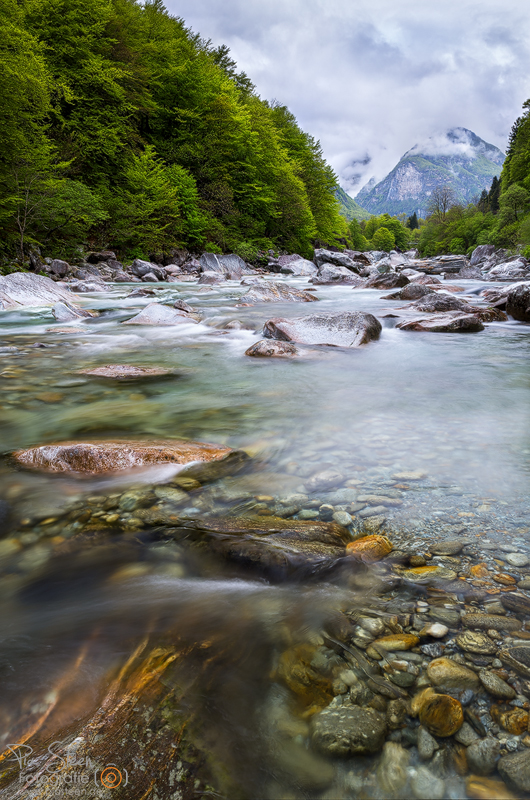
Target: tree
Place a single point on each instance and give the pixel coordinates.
(514, 203)
(494, 195)
(441, 200)
(383, 239)
(412, 222)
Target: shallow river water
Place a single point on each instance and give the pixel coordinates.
(81, 607)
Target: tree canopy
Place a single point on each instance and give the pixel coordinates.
(117, 102)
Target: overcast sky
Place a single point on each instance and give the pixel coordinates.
(370, 78)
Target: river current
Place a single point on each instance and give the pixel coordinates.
(452, 408)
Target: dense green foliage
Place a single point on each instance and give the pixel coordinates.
(121, 128)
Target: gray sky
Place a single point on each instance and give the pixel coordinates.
(370, 78)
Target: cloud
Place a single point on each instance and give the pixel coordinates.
(373, 77)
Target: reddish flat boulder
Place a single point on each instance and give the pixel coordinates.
(95, 458)
(124, 372)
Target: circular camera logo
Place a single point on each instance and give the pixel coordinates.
(111, 777)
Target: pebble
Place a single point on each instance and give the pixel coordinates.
(447, 674)
(398, 641)
(372, 511)
(514, 769)
(482, 755)
(513, 720)
(349, 730)
(517, 559)
(342, 518)
(425, 785)
(491, 622)
(392, 770)
(466, 735)
(426, 744)
(426, 575)
(370, 548)
(495, 685)
(442, 715)
(412, 475)
(474, 642)
(435, 629)
(448, 548)
(487, 789)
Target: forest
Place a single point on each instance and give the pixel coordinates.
(124, 129)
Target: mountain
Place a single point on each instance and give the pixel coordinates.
(349, 208)
(458, 158)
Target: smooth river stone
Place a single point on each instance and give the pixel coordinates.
(450, 547)
(473, 642)
(27, 289)
(491, 622)
(277, 293)
(95, 458)
(442, 715)
(444, 323)
(447, 674)
(518, 658)
(158, 314)
(349, 730)
(272, 348)
(496, 686)
(425, 575)
(347, 329)
(518, 603)
(370, 548)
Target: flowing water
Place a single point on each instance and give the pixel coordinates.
(452, 408)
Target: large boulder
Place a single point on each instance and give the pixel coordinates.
(452, 322)
(339, 259)
(297, 266)
(97, 458)
(414, 291)
(481, 253)
(440, 302)
(271, 348)
(231, 266)
(388, 280)
(64, 312)
(510, 271)
(329, 274)
(518, 302)
(26, 289)
(158, 314)
(101, 255)
(59, 268)
(272, 544)
(142, 268)
(347, 329)
(276, 293)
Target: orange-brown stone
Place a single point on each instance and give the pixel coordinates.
(370, 548)
(478, 788)
(506, 580)
(442, 715)
(479, 571)
(513, 720)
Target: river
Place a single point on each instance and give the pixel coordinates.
(77, 605)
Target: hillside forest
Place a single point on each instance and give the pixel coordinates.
(124, 129)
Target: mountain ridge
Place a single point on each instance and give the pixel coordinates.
(457, 158)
